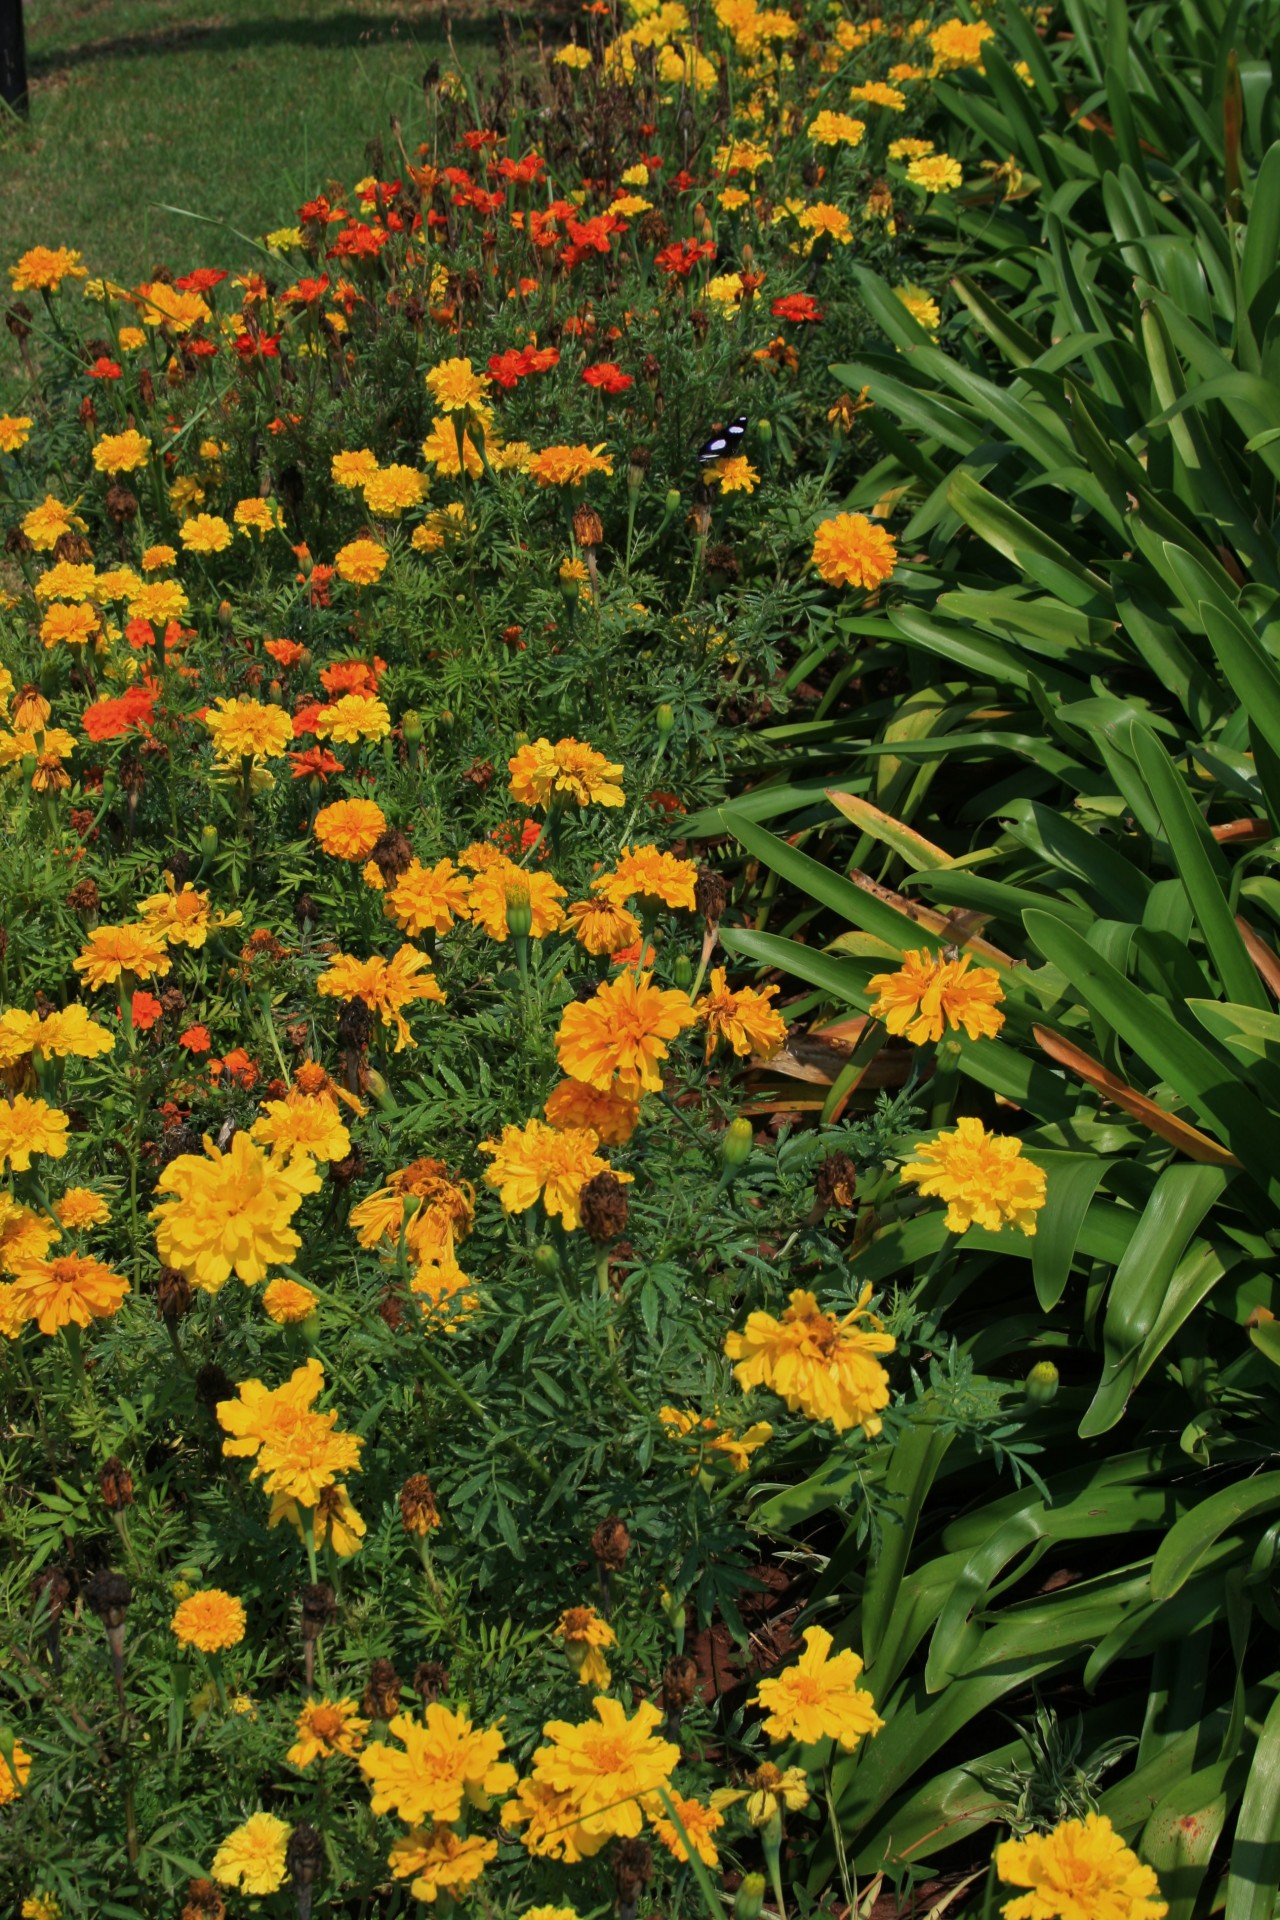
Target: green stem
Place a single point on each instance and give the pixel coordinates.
(473, 1406)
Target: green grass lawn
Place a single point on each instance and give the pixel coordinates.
(233, 111)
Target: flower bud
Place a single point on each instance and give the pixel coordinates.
(673, 500)
(224, 615)
(665, 719)
(208, 841)
(411, 727)
(735, 1148)
(1042, 1383)
(748, 1902)
(374, 1083)
(446, 718)
(546, 1261)
(519, 908)
(682, 972)
(764, 432)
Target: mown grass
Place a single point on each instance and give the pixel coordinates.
(232, 112)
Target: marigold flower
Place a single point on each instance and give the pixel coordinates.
(437, 1208)
(563, 466)
(929, 996)
(655, 879)
(351, 470)
(936, 173)
(601, 927)
(454, 385)
(828, 129)
(302, 1125)
(15, 431)
(205, 533)
(74, 626)
(737, 1448)
(609, 1115)
(699, 1822)
(246, 729)
(121, 452)
(253, 1857)
(360, 562)
(287, 1302)
(385, 986)
(584, 1634)
(428, 899)
(334, 1520)
(70, 1032)
(43, 269)
(135, 949)
(45, 524)
(350, 829)
(616, 1040)
(1082, 1870)
(540, 1162)
(744, 1018)
(326, 1727)
(80, 1208)
(569, 770)
(825, 221)
(440, 449)
(439, 1861)
(874, 93)
(851, 551)
(30, 1126)
(735, 474)
(68, 1291)
(958, 43)
(184, 917)
(607, 1767)
(443, 1761)
(14, 1773)
(229, 1212)
(255, 515)
(24, 1235)
(210, 1620)
(356, 716)
(982, 1176)
(550, 1822)
(822, 1367)
(818, 1698)
(488, 897)
(774, 1792)
(392, 490)
(922, 307)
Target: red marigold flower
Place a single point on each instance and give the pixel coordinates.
(522, 173)
(796, 306)
(202, 280)
(140, 633)
(104, 369)
(195, 1039)
(508, 368)
(359, 241)
(198, 347)
(682, 256)
(258, 346)
(146, 1010)
(304, 721)
(609, 377)
(478, 139)
(683, 181)
(353, 676)
(314, 760)
(108, 719)
(285, 653)
(303, 292)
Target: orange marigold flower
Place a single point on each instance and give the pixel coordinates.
(569, 770)
(441, 1763)
(350, 829)
(75, 626)
(656, 879)
(569, 466)
(326, 1727)
(851, 551)
(617, 1039)
(210, 1620)
(744, 1018)
(608, 1767)
(601, 927)
(822, 1367)
(69, 1291)
(385, 986)
(982, 1176)
(487, 897)
(121, 452)
(537, 1162)
(360, 562)
(699, 1822)
(929, 996)
(439, 1861)
(610, 1116)
(1082, 1870)
(287, 1302)
(135, 949)
(428, 899)
(43, 269)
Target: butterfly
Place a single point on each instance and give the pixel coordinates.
(725, 441)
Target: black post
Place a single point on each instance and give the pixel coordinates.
(13, 57)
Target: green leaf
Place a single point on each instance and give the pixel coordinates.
(1255, 1851)
(1073, 1179)
(1186, 1545)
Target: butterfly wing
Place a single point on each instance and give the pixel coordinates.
(725, 442)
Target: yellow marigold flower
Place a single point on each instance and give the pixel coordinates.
(299, 1124)
(607, 1114)
(441, 1763)
(287, 1302)
(930, 996)
(822, 1367)
(210, 1620)
(69, 1291)
(454, 385)
(356, 716)
(562, 466)
(121, 452)
(617, 1039)
(257, 1409)
(607, 1767)
(15, 431)
(205, 533)
(385, 986)
(247, 729)
(550, 1822)
(41, 1906)
(438, 1209)
(283, 239)
(392, 490)
(601, 927)
(30, 1126)
(254, 515)
(550, 1913)
(135, 949)
(428, 899)
(924, 310)
(184, 917)
(734, 474)
(851, 551)
(824, 219)
(24, 1235)
(655, 879)
(43, 269)
(439, 527)
(436, 1860)
(818, 1698)
(579, 57)
(737, 1448)
(253, 1857)
(79, 1208)
(303, 1454)
(158, 601)
(115, 583)
(909, 149)
(569, 770)
(958, 43)
(743, 156)
(67, 580)
(75, 626)
(936, 173)
(14, 1773)
(874, 93)
(630, 204)
(440, 449)
(725, 289)
(1082, 1870)
(487, 898)
(229, 1212)
(326, 1727)
(350, 829)
(334, 1520)
(572, 570)
(162, 305)
(45, 525)
(733, 198)
(774, 1792)
(835, 129)
(699, 1822)
(360, 562)
(351, 470)
(540, 1162)
(982, 1176)
(584, 1634)
(744, 1018)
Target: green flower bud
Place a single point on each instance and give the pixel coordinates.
(411, 727)
(735, 1148)
(208, 840)
(569, 587)
(682, 972)
(748, 1902)
(519, 909)
(546, 1261)
(665, 719)
(1042, 1383)
(764, 432)
(446, 717)
(380, 1090)
(673, 500)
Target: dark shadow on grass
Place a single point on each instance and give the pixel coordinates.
(333, 30)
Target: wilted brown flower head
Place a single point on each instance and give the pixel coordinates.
(418, 1510)
(430, 1680)
(710, 896)
(382, 1690)
(632, 1872)
(611, 1543)
(174, 1295)
(835, 1182)
(391, 855)
(116, 1483)
(204, 1902)
(319, 1607)
(588, 528)
(84, 896)
(679, 1683)
(108, 1595)
(603, 1205)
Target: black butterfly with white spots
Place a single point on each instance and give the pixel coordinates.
(725, 441)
